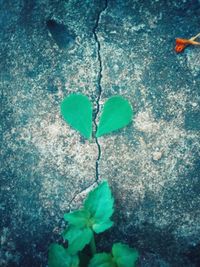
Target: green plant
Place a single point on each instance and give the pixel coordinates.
(76, 109)
(93, 218)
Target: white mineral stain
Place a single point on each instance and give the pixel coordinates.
(145, 122)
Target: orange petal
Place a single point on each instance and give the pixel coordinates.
(182, 41)
(180, 48)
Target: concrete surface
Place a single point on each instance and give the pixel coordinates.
(104, 48)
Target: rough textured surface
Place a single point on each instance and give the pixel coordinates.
(152, 165)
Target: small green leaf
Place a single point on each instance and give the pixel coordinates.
(102, 260)
(99, 204)
(77, 238)
(60, 257)
(77, 218)
(124, 256)
(101, 227)
(76, 109)
(116, 114)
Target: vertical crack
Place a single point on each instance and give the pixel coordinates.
(99, 88)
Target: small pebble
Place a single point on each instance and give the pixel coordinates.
(157, 155)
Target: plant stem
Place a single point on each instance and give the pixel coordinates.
(195, 37)
(93, 245)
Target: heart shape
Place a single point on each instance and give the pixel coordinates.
(76, 109)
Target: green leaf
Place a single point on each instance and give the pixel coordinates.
(117, 113)
(101, 227)
(124, 256)
(60, 257)
(77, 238)
(76, 109)
(77, 218)
(99, 204)
(102, 260)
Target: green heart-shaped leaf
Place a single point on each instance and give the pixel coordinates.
(117, 113)
(76, 109)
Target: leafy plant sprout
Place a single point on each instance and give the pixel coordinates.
(95, 215)
(93, 218)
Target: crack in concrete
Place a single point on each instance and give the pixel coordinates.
(82, 194)
(98, 84)
(90, 187)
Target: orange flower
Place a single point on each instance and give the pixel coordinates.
(181, 44)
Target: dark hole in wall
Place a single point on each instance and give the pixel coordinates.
(64, 38)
